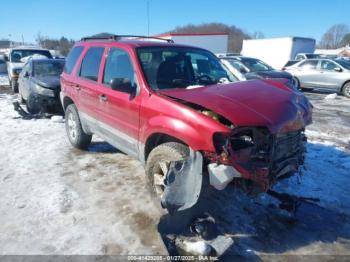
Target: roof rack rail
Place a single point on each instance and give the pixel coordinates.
(118, 37)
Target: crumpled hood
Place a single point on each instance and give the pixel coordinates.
(259, 103)
(51, 82)
(269, 75)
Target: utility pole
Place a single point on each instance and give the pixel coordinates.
(22, 40)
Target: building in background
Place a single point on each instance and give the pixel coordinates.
(214, 42)
(339, 52)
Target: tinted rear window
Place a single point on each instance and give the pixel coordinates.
(72, 59)
(91, 63)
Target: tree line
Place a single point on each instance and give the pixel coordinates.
(336, 36)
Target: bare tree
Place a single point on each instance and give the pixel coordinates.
(334, 36)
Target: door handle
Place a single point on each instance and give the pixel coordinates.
(77, 87)
(103, 98)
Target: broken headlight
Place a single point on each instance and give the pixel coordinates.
(43, 91)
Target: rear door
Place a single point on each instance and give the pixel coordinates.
(119, 109)
(87, 86)
(308, 73)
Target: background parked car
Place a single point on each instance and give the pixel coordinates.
(3, 69)
(322, 73)
(301, 56)
(251, 68)
(16, 62)
(39, 84)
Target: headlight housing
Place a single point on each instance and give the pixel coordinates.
(43, 91)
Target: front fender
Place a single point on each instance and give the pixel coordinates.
(195, 137)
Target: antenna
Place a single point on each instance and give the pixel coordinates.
(148, 18)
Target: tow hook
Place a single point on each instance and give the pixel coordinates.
(290, 203)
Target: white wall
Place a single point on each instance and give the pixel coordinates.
(277, 51)
(213, 43)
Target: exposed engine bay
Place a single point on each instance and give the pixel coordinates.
(259, 156)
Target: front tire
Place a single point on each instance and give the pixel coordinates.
(76, 135)
(21, 99)
(33, 105)
(346, 90)
(158, 163)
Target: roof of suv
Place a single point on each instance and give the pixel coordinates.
(135, 43)
(28, 48)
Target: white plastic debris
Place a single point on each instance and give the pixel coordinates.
(221, 175)
(331, 96)
(199, 248)
(57, 119)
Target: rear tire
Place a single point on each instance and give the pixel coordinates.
(76, 135)
(158, 163)
(346, 90)
(296, 83)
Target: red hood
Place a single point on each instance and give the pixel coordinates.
(252, 103)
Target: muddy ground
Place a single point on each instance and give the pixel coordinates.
(59, 200)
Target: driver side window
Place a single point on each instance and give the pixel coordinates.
(328, 65)
(118, 65)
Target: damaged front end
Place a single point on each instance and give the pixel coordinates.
(257, 156)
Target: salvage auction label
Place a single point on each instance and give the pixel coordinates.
(172, 258)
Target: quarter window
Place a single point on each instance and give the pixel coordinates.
(91, 63)
(72, 59)
(118, 65)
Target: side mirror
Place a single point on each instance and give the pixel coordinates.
(26, 74)
(6, 58)
(338, 69)
(122, 85)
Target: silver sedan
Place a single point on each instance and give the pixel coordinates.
(322, 73)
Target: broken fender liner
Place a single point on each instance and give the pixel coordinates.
(28, 116)
(183, 183)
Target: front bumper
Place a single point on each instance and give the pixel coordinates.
(48, 103)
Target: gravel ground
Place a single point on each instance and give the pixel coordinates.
(58, 200)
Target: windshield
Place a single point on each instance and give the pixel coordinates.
(17, 55)
(48, 68)
(345, 64)
(312, 56)
(255, 65)
(180, 67)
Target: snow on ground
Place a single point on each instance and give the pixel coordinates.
(4, 80)
(59, 200)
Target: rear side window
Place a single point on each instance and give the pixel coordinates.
(72, 59)
(312, 64)
(91, 63)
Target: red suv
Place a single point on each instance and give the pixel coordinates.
(166, 103)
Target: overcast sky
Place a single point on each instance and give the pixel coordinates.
(77, 18)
